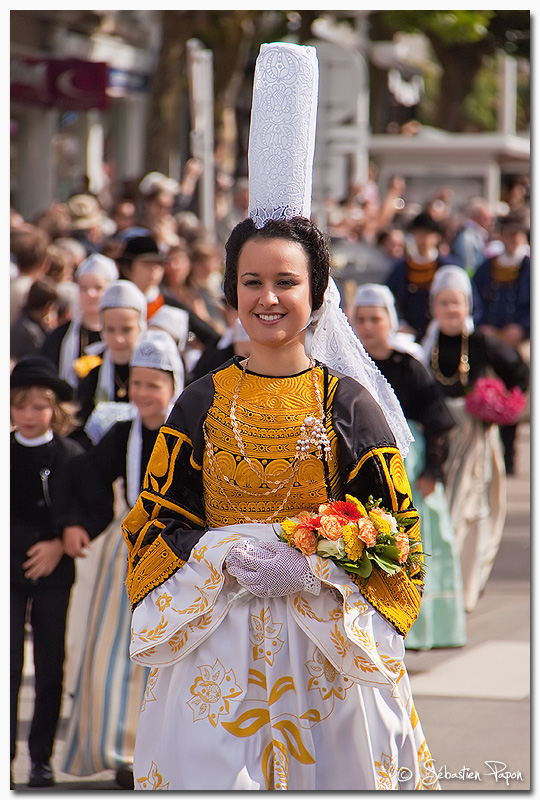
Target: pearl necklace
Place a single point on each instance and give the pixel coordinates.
(312, 433)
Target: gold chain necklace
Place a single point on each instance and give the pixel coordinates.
(312, 433)
(214, 467)
(462, 372)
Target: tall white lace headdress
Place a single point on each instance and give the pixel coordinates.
(282, 132)
(280, 160)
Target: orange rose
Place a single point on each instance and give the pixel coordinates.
(367, 532)
(305, 540)
(331, 527)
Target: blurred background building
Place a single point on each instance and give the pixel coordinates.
(100, 98)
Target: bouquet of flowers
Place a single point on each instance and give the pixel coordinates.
(492, 402)
(355, 537)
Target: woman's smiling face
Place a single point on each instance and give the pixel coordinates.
(274, 291)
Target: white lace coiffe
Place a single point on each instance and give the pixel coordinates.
(282, 132)
(280, 159)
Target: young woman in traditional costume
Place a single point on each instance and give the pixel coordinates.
(441, 621)
(270, 669)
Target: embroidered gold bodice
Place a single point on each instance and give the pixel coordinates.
(185, 493)
(269, 412)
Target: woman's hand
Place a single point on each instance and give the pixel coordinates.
(271, 569)
(43, 558)
(76, 541)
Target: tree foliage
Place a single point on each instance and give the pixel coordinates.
(461, 43)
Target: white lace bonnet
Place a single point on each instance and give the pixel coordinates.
(280, 158)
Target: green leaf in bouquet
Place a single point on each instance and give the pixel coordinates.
(361, 567)
(385, 564)
(388, 551)
(405, 520)
(371, 503)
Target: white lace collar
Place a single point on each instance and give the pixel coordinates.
(37, 441)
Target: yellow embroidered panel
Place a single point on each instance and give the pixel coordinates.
(172, 493)
(270, 412)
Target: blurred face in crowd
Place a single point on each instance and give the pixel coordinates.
(450, 309)
(394, 244)
(146, 272)
(483, 217)
(203, 265)
(151, 391)
(159, 206)
(512, 239)
(125, 215)
(425, 240)
(120, 331)
(91, 287)
(49, 315)
(372, 326)
(177, 267)
(32, 412)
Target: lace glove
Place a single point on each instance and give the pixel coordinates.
(271, 569)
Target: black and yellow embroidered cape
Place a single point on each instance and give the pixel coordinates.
(184, 494)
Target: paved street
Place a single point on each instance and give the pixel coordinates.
(474, 701)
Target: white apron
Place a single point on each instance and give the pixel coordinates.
(297, 692)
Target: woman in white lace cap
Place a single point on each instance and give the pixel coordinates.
(122, 311)
(110, 687)
(475, 479)
(70, 346)
(267, 673)
(441, 621)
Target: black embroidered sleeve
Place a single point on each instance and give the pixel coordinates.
(168, 518)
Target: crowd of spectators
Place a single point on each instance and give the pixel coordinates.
(153, 233)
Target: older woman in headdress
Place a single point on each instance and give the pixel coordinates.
(459, 355)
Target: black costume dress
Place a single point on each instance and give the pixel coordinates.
(475, 476)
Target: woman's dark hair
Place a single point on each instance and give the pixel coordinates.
(299, 230)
